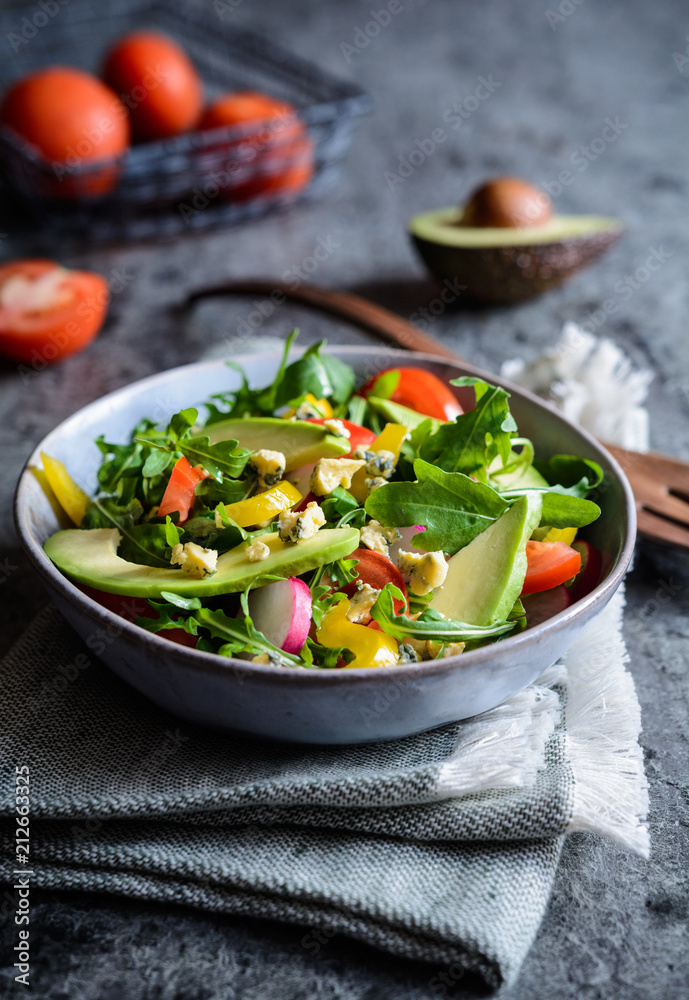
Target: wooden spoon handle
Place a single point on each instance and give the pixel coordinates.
(343, 304)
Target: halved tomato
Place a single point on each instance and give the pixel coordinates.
(420, 390)
(131, 608)
(376, 570)
(48, 312)
(179, 492)
(548, 565)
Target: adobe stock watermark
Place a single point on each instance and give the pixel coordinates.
(584, 156)
(118, 279)
(363, 36)
(454, 116)
(293, 277)
(30, 25)
(225, 8)
(624, 288)
(563, 12)
(681, 59)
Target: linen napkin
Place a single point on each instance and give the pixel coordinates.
(442, 846)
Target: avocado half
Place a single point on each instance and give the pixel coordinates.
(510, 264)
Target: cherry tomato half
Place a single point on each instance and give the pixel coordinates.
(548, 565)
(179, 492)
(158, 83)
(131, 608)
(47, 311)
(376, 570)
(420, 390)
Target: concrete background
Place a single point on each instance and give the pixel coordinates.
(616, 925)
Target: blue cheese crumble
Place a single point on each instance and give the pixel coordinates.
(269, 466)
(423, 571)
(194, 559)
(330, 473)
(377, 538)
(293, 526)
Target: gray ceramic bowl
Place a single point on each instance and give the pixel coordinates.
(309, 706)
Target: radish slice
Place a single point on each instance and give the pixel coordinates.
(282, 611)
(542, 606)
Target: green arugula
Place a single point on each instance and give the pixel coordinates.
(452, 507)
(224, 459)
(319, 374)
(569, 474)
(430, 624)
(560, 509)
(474, 439)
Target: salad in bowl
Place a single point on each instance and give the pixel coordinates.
(306, 525)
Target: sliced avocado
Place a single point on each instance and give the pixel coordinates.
(486, 577)
(499, 264)
(90, 557)
(395, 413)
(301, 442)
(523, 477)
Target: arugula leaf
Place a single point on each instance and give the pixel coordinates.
(430, 624)
(475, 438)
(321, 375)
(453, 508)
(576, 476)
(172, 533)
(229, 491)
(225, 458)
(240, 635)
(141, 543)
(560, 509)
(338, 504)
(168, 611)
(326, 657)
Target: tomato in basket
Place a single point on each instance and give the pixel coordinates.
(157, 82)
(73, 120)
(273, 154)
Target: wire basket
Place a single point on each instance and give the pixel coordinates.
(194, 181)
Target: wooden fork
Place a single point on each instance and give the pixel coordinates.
(660, 484)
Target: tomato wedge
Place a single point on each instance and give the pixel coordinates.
(420, 390)
(179, 493)
(132, 608)
(359, 437)
(548, 565)
(376, 570)
(48, 312)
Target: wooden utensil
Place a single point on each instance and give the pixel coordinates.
(660, 484)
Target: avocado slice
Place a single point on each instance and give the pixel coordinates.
(90, 557)
(301, 442)
(500, 264)
(486, 577)
(395, 413)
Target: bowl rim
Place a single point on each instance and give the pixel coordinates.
(206, 662)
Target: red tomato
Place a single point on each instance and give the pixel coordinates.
(376, 570)
(548, 565)
(157, 81)
(179, 493)
(275, 154)
(131, 608)
(420, 390)
(48, 312)
(72, 119)
(359, 437)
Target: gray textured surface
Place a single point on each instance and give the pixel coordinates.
(616, 926)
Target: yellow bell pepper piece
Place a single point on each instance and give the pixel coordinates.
(566, 535)
(263, 506)
(389, 439)
(71, 497)
(321, 405)
(371, 648)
